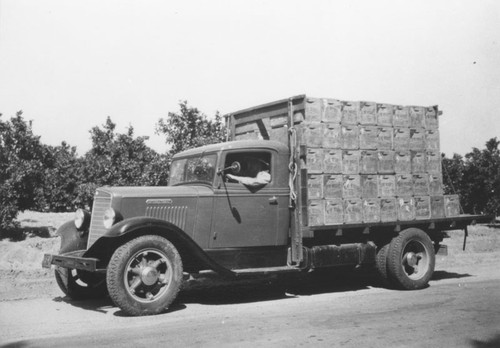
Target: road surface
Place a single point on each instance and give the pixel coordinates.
(457, 310)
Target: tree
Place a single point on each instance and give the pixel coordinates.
(190, 128)
(119, 160)
(21, 169)
(482, 178)
(62, 177)
(476, 178)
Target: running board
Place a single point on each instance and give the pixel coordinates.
(265, 271)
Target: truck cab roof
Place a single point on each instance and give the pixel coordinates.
(235, 145)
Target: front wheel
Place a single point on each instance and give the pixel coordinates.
(80, 285)
(411, 260)
(144, 275)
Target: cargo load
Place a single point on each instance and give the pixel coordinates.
(375, 160)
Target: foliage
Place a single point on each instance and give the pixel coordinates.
(119, 160)
(62, 176)
(21, 169)
(190, 128)
(476, 178)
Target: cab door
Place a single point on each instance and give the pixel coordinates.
(245, 216)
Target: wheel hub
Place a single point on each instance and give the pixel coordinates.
(149, 276)
(411, 259)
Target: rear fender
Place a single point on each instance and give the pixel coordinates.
(132, 228)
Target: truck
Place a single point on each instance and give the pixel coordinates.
(300, 184)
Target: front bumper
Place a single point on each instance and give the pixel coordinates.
(72, 261)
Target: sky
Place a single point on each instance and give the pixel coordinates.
(70, 64)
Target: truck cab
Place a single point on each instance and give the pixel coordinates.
(212, 221)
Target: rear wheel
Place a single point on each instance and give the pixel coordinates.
(381, 264)
(144, 275)
(410, 260)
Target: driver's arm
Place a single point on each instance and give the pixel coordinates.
(261, 179)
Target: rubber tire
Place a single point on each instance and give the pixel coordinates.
(381, 264)
(395, 269)
(69, 285)
(117, 270)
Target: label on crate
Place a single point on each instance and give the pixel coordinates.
(404, 185)
(331, 136)
(316, 213)
(401, 139)
(401, 117)
(406, 209)
(431, 117)
(368, 113)
(386, 185)
(350, 113)
(350, 137)
(353, 210)
(352, 186)
(385, 113)
(332, 111)
(417, 139)
(313, 110)
(432, 140)
(388, 211)
(418, 162)
(386, 162)
(451, 205)
(417, 118)
(385, 138)
(402, 162)
(368, 138)
(371, 210)
(433, 162)
(315, 160)
(315, 186)
(350, 161)
(421, 184)
(333, 186)
(333, 161)
(334, 211)
(437, 207)
(312, 134)
(368, 162)
(369, 186)
(422, 208)
(435, 185)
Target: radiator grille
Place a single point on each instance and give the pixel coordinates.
(97, 229)
(174, 214)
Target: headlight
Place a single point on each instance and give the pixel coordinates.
(110, 217)
(82, 219)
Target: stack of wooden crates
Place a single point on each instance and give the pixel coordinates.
(362, 162)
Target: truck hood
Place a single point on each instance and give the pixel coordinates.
(156, 191)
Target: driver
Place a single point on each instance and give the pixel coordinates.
(258, 171)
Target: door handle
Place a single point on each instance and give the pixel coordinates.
(273, 200)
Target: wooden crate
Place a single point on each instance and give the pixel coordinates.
(334, 211)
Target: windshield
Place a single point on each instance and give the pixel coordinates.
(195, 169)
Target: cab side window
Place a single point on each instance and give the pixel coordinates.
(249, 168)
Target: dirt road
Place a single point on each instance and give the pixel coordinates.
(458, 309)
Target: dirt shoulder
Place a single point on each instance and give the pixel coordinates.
(22, 277)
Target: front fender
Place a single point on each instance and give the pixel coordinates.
(71, 238)
(131, 228)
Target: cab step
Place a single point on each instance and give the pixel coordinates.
(265, 271)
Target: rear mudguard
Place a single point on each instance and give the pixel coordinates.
(131, 228)
(71, 238)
